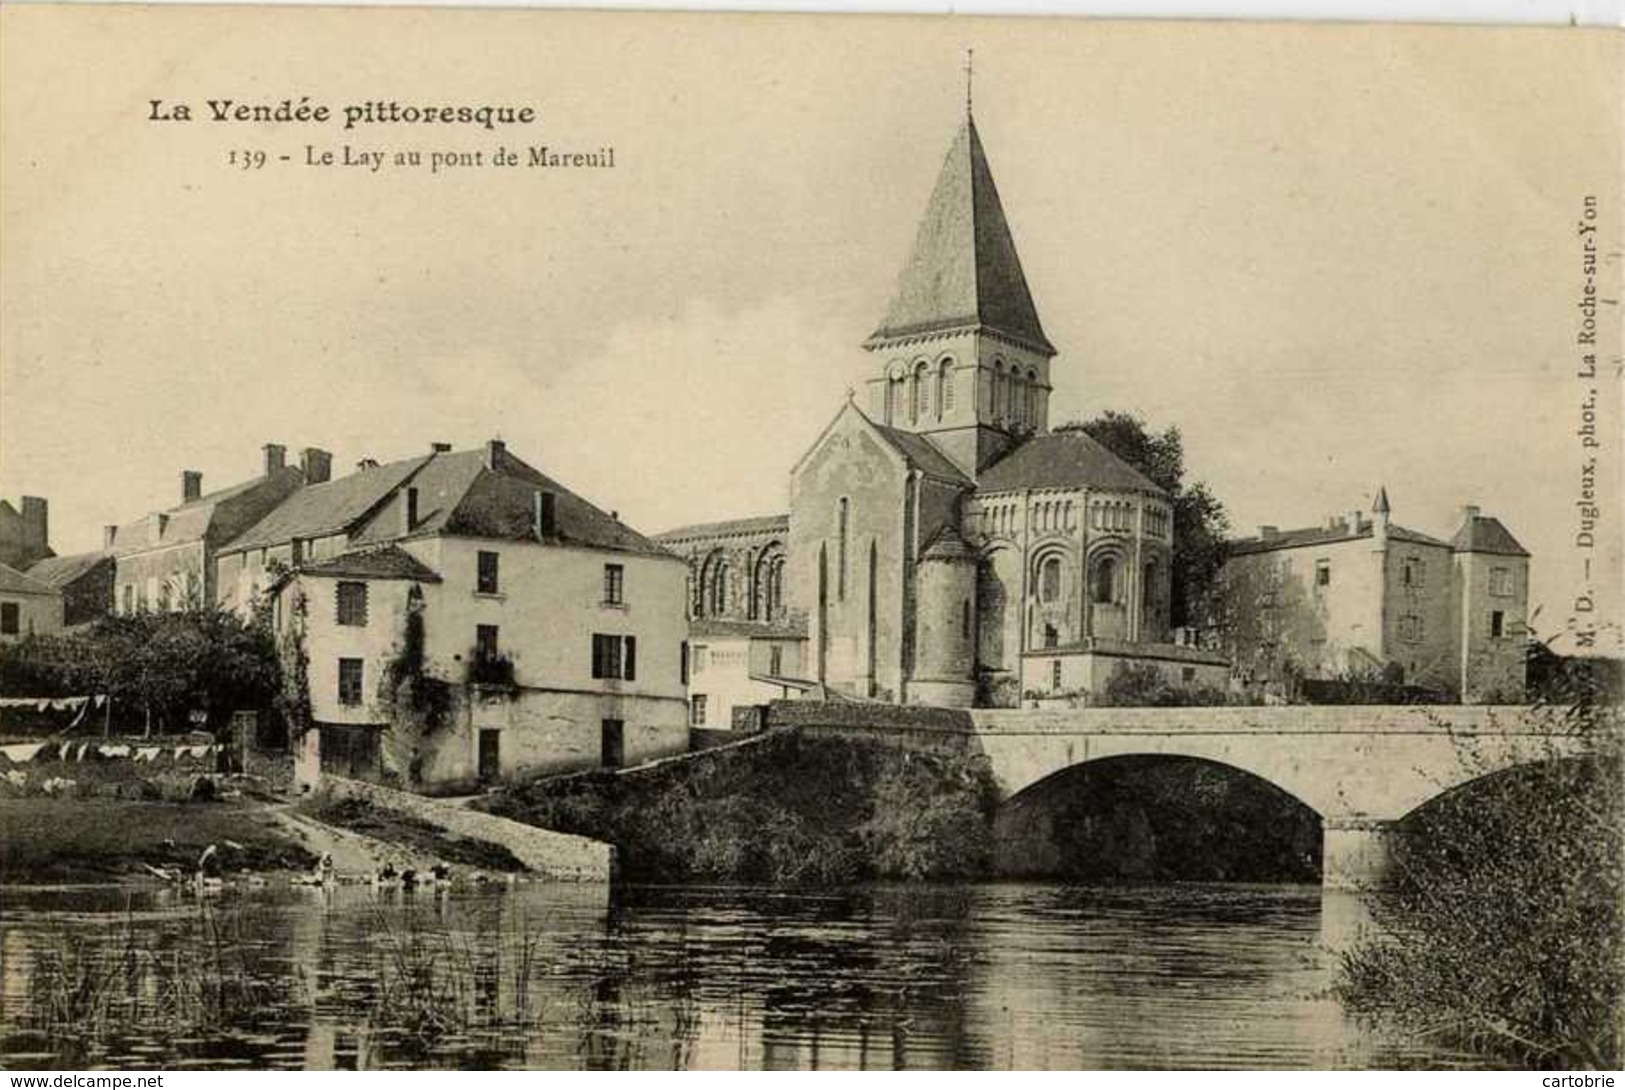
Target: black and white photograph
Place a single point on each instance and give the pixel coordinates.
(657, 541)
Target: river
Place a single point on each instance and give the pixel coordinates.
(549, 976)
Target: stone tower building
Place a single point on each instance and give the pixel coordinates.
(943, 546)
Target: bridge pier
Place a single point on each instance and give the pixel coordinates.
(1356, 853)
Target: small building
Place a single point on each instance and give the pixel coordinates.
(745, 644)
(1364, 597)
(462, 618)
(27, 606)
(741, 664)
(85, 581)
(25, 532)
(167, 560)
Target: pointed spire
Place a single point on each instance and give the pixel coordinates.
(1379, 506)
(970, 71)
(964, 272)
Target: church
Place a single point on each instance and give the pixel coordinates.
(942, 545)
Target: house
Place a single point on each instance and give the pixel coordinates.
(167, 560)
(461, 617)
(85, 581)
(1364, 596)
(24, 532)
(27, 606)
(745, 645)
(942, 545)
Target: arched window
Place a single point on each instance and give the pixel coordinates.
(1031, 411)
(1104, 590)
(716, 587)
(841, 516)
(1049, 579)
(1150, 592)
(922, 394)
(945, 388)
(894, 399)
(1051, 636)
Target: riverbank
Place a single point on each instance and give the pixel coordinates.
(788, 809)
(102, 839)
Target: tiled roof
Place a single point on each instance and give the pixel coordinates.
(922, 454)
(723, 628)
(760, 524)
(457, 495)
(389, 562)
(1069, 459)
(946, 544)
(185, 522)
(59, 571)
(964, 271)
(331, 507)
(1482, 534)
(13, 581)
(1326, 535)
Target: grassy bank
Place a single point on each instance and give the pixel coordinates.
(791, 809)
(362, 817)
(86, 840)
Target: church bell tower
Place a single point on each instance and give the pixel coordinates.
(961, 355)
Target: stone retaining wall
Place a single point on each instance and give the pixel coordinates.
(553, 855)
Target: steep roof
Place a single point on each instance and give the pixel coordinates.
(922, 454)
(946, 544)
(1482, 534)
(458, 494)
(59, 571)
(13, 581)
(1069, 459)
(963, 271)
(389, 562)
(1326, 535)
(760, 524)
(188, 521)
(331, 507)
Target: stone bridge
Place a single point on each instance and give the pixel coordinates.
(1361, 768)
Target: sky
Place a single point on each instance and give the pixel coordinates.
(1335, 256)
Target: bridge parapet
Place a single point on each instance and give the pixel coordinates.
(1290, 719)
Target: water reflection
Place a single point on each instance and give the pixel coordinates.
(1004, 976)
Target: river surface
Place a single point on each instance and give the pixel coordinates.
(548, 976)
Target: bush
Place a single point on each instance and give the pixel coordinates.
(788, 810)
(1502, 927)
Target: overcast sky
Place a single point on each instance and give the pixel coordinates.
(1335, 257)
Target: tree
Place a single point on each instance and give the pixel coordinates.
(168, 665)
(1200, 524)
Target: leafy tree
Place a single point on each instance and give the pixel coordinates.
(168, 665)
(1200, 524)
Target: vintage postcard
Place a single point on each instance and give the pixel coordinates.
(668, 541)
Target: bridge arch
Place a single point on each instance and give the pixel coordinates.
(1360, 768)
(1157, 816)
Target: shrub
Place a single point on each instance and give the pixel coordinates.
(1502, 927)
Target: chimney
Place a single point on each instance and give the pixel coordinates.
(109, 535)
(1334, 522)
(317, 465)
(1354, 520)
(276, 456)
(546, 517)
(36, 523)
(409, 509)
(495, 449)
(1469, 512)
(440, 448)
(1380, 510)
(366, 464)
(191, 485)
(1268, 533)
